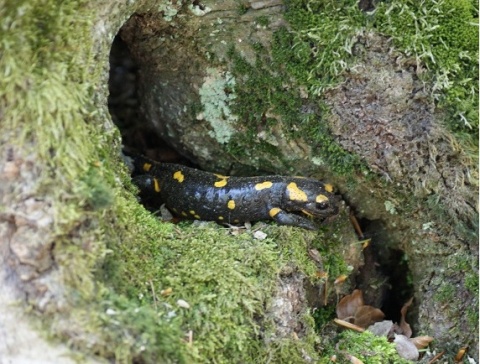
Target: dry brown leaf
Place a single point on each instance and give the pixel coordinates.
(349, 304)
(460, 354)
(167, 291)
(366, 243)
(315, 255)
(354, 359)
(421, 341)
(340, 279)
(406, 329)
(321, 274)
(367, 315)
(348, 325)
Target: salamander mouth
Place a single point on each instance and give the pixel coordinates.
(308, 213)
(331, 209)
(319, 214)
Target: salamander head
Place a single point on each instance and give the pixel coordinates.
(311, 197)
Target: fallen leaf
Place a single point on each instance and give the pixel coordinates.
(315, 255)
(405, 348)
(189, 336)
(406, 329)
(460, 354)
(321, 274)
(349, 304)
(367, 315)
(259, 235)
(183, 304)
(340, 279)
(167, 291)
(421, 341)
(382, 328)
(354, 359)
(348, 325)
(366, 243)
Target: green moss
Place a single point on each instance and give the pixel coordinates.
(472, 317)
(261, 91)
(45, 101)
(445, 293)
(443, 35)
(318, 48)
(323, 316)
(461, 263)
(380, 351)
(200, 263)
(47, 109)
(263, 20)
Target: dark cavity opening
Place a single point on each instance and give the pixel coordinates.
(138, 134)
(385, 279)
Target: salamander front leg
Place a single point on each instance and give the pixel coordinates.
(149, 188)
(285, 218)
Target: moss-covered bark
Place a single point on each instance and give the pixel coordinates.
(114, 282)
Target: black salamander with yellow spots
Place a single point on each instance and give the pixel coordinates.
(195, 194)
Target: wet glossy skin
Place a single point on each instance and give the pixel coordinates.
(196, 194)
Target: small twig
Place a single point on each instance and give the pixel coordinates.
(153, 294)
(436, 357)
(356, 226)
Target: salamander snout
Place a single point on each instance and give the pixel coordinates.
(311, 197)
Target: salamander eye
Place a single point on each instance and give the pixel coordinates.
(322, 202)
(322, 205)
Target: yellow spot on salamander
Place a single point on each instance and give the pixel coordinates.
(221, 183)
(178, 175)
(192, 212)
(295, 193)
(184, 214)
(274, 212)
(156, 185)
(263, 185)
(328, 187)
(321, 198)
(231, 204)
(220, 217)
(147, 166)
(196, 216)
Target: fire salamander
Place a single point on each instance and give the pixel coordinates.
(195, 194)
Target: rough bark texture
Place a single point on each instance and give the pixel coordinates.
(66, 202)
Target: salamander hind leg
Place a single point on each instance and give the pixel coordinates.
(285, 218)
